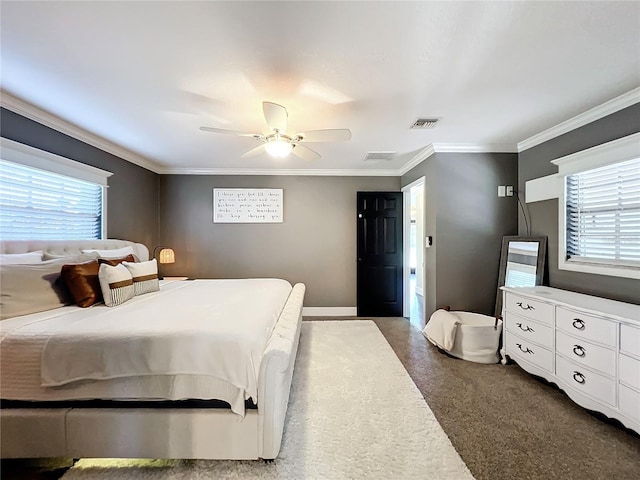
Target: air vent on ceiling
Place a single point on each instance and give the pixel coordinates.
(425, 123)
(377, 156)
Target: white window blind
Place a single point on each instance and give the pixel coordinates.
(603, 215)
(37, 204)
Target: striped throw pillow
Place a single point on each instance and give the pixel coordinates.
(116, 284)
(145, 276)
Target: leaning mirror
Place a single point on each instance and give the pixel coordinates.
(522, 263)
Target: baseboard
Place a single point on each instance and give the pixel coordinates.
(329, 311)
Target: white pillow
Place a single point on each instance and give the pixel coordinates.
(109, 254)
(145, 276)
(21, 258)
(116, 284)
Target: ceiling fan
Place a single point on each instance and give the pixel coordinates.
(277, 143)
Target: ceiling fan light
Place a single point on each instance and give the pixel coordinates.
(278, 148)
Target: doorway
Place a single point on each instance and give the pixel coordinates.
(414, 237)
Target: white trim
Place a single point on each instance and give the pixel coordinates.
(616, 151)
(543, 188)
(614, 105)
(274, 172)
(475, 148)
(47, 119)
(417, 159)
(415, 183)
(329, 311)
(17, 152)
(406, 245)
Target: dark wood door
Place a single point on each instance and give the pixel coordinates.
(380, 260)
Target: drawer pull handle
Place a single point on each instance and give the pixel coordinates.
(528, 307)
(525, 349)
(579, 351)
(528, 329)
(578, 324)
(578, 377)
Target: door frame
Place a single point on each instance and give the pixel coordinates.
(406, 227)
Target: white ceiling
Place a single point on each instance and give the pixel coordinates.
(147, 75)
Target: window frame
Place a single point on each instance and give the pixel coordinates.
(26, 155)
(617, 151)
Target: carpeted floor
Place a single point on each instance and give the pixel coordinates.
(504, 423)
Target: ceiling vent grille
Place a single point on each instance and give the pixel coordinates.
(425, 123)
(378, 156)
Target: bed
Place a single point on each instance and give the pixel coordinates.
(221, 394)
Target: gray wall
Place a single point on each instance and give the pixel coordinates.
(132, 197)
(316, 243)
(535, 163)
(467, 220)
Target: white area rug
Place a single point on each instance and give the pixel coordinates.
(354, 413)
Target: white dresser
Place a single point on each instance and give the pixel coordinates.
(588, 346)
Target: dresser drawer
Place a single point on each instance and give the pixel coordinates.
(596, 329)
(521, 349)
(585, 353)
(530, 330)
(630, 340)
(630, 371)
(528, 308)
(629, 403)
(585, 381)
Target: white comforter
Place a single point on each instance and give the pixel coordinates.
(190, 329)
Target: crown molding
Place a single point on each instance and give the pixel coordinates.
(47, 119)
(281, 172)
(616, 104)
(417, 159)
(475, 148)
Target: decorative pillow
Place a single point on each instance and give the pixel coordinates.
(34, 287)
(116, 284)
(145, 276)
(21, 258)
(111, 254)
(116, 261)
(82, 281)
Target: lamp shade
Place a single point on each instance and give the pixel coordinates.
(164, 255)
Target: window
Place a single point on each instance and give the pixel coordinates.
(603, 215)
(44, 204)
(600, 209)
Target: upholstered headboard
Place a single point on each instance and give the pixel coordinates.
(71, 247)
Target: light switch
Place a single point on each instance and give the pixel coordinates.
(501, 190)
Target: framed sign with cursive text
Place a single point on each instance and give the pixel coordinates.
(247, 205)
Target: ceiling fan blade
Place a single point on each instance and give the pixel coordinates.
(255, 151)
(305, 153)
(230, 132)
(275, 115)
(328, 135)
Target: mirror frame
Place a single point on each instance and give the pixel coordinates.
(504, 254)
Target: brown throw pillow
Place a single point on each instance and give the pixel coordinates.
(83, 283)
(116, 261)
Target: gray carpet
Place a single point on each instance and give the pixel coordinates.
(506, 424)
